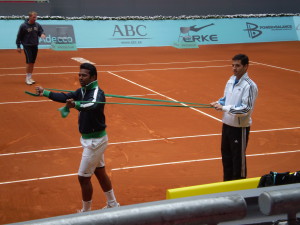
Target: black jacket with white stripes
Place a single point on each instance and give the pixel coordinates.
(91, 115)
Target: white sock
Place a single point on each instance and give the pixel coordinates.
(28, 75)
(86, 206)
(110, 197)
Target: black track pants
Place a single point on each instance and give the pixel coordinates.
(233, 148)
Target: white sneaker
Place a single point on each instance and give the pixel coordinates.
(111, 206)
(28, 81)
(31, 80)
(82, 211)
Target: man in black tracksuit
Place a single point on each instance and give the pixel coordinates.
(93, 135)
(28, 35)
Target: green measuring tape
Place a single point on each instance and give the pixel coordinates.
(65, 110)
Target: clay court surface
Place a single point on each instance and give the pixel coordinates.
(151, 149)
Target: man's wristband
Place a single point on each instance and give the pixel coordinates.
(46, 93)
(77, 105)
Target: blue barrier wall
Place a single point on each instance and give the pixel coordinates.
(144, 33)
(297, 26)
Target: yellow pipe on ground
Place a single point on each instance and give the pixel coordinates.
(212, 188)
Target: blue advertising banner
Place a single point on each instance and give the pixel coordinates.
(144, 33)
(297, 25)
(60, 34)
(59, 37)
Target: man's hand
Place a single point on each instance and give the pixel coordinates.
(70, 103)
(19, 50)
(43, 36)
(39, 90)
(217, 106)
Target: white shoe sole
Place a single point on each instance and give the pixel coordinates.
(81, 211)
(108, 207)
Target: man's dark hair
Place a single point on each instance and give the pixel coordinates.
(244, 59)
(90, 67)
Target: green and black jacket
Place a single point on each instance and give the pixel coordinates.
(91, 115)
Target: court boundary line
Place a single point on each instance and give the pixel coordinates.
(145, 140)
(115, 71)
(254, 62)
(124, 64)
(38, 101)
(144, 166)
(277, 67)
(182, 68)
(201, 160)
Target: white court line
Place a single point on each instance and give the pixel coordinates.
(149, 165)
(277, 67)
(141, 64)
(37, 67)
(62, 73)
(40, 178)
(4, 103)
(128, 64)
(182, 68)
(22, 74)
(145, 140)
(130, 81)
(114, 143)
(199, 160)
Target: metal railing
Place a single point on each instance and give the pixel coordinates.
(190, 210)
(281, 202)
(229, 209)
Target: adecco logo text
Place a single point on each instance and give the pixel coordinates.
(59, 34)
